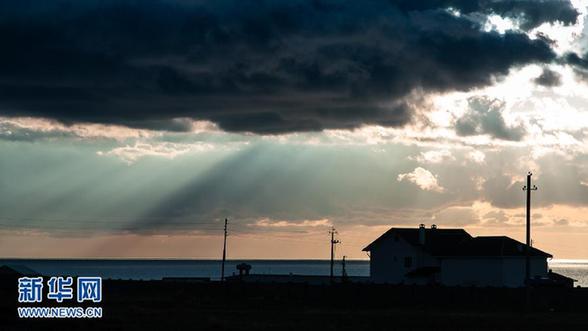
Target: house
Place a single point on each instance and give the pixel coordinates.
(452, 257)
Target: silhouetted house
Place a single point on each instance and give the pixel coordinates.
(451, 257)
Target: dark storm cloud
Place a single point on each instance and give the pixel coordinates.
(548, 78)
(259, 66)
(578, 63)
(576, 60)
(484, 117)
(533, 13)
(530, 13)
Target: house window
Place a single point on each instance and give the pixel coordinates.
(408, 262)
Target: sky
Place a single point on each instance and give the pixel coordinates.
(134, 128)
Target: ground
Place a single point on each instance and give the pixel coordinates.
(152, 305)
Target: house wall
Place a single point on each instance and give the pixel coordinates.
(387, 261)
(514, 270)
(471, 271)
(498, 271)
(387, 265)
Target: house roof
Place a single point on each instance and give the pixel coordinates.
(495, 246)
(559, 277)
(457, 242)
(437, 242)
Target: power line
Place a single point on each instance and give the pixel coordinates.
(334, 241)
(224, 253)
(528, 188)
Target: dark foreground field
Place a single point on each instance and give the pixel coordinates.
(137, 305)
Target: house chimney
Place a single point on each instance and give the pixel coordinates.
(422, 234)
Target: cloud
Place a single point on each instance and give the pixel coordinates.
(32, 129)
(423, 179)
(268, 223)
(496, 218)
(548, 78)
(484, 117)
(530, 13)
(476, 156)
(435, 156)
(255, 66)
(579, 63)
(533, 13)
(166, 150)
(456, 216)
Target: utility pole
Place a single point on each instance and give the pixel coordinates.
(332, 232)
(528, 188)
(343, 269)
(224, 253)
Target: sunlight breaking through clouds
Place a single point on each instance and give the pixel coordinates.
(348, 132)
(423, 179)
